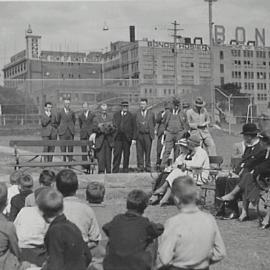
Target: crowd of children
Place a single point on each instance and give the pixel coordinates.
(51, 228)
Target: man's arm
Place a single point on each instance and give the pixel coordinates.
(154, 230)
(45, 120)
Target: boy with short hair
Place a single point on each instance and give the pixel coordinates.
(46, 179)
(130, 236)
(191, 239)
(65, 246)
(77, 210)
(31, 229)
(13, 189)
(18, 201)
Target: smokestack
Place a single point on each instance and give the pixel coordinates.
(132, 33)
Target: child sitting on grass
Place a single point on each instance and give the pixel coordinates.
(9, 249)
(18, 201)
(46, 179)
(191, 239)
(63, 240)
(130, 236)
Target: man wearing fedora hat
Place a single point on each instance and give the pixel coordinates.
(125, 133)
(198, 120)
(175, 128)
(225, 184)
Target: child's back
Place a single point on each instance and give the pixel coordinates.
(130, 235)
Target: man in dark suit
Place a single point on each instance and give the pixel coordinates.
(225, 185)
(86, 123)
(48, 129)
(66, 125)
(160, 120)
(125, 127)
(145, 133)
(104, 140)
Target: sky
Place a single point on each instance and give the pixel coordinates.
(77, 26)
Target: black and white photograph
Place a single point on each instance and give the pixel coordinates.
(135, 135)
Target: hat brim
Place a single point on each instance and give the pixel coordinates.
(250, 132)
(200, 105)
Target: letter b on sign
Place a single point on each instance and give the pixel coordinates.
(219, 34)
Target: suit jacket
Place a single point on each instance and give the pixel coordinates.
(104, 128)
(248, 157)
(128, 250)
(260, 163)
(160, 120)
(238, 149)
(182, 120)
(65, 246)
(128, 125)
(66, 121)
(48, 125)
(86, 124)
(149, 120)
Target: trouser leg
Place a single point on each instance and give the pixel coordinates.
(126, 153)
(230, 185)
(140, 151)
(169, 143)
(147, 149)
(51, 149)
(45, 148)
(117, 153)
(210, 144)
(159, 149)
(100, 153)
(63, 148)
(108, 157)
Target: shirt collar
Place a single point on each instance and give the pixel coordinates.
(133, 213)
(189, 209)
(256, 141)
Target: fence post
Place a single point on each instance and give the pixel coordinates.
(4, 120)
(22, 121)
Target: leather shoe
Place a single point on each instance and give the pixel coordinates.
(232, 215)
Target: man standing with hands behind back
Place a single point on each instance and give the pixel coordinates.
(66, 126)
(145, 133)
(125, 132)
(48, 129)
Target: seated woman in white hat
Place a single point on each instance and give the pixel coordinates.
(195, 164)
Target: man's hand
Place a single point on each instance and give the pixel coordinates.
(133, 142)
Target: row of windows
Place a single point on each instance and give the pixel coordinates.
(249, 86)
(262, 96)
(247, 53)
(15, 70)
(249, 75)
(261, 86)
(150, 91)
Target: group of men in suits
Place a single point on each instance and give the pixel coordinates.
(115, 134)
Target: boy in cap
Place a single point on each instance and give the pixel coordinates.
(124, 123)
(130, 235)
(199, 120)
(191, 239)
(63, 240)
(18, 201)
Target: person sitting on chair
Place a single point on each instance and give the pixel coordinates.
(196, 164)
(224, 185)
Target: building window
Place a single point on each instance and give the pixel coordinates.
(165, 91)
(221, 68)
(221, 55)
(79, 76)
(221, 80)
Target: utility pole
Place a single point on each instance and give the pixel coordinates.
(212, 88)
(175, 36)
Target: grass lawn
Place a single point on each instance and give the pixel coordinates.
(247, 246)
